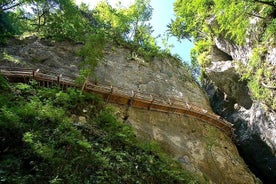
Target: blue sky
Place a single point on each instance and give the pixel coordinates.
(161, 17)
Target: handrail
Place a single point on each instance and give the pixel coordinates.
(122, 96)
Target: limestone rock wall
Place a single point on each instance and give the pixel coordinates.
(255, 123)
(161, 76)
(200, 147)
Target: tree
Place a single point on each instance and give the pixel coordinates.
(140, 13)
(41, 11)
(114, 21)
(92, 52)
(206, 18)
(63, 21)
(56, 19)
(203, 20)
(140, 33)
(6, 5)
(128, 24)
(9, 20)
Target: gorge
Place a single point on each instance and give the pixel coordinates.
(224, 130)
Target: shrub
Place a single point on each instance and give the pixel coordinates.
(40, 143)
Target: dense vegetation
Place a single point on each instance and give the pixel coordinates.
(204, 20)
(64, 20)
(42, 141)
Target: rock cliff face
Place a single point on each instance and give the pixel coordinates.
(164, 77)
(199, 147)
(255, 123)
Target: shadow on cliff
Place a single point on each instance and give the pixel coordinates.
(253, 149)
(259, 158)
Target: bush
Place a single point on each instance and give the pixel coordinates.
(3, 84)
(256, 72)
(40, 143)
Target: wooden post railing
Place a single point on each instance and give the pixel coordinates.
(117, 95)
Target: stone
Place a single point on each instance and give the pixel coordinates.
(82, 120)
(255, 123)
(224, 75)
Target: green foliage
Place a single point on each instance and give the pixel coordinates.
(256, 62)
(200, 53)
(233, 19)
(10, 25)
(200, 56)
(207, 18)
(3, 83)
(258, 72)
(115, 22)
(190, 18)
(40, 143)
(67, 23)
(270, 33)
(63, 20)
(92, 52)
(129, 26)
(166, 45)
(58, 20)
(204, 20)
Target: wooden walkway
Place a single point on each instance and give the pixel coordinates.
(120, 96)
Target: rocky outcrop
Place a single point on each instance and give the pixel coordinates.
(198, 146)
(255, 132)
(31, 52)
(255, 123)
(224, 75)
(258, 139)
(164, 77)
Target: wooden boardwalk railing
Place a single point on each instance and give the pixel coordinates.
(121, 96)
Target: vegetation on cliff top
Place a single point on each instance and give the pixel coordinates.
(42, 141)
(203, 20)
(59, 20)
(64, 20)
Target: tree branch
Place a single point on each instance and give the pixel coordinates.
(268, 86)
(269, 3)
(12, 6)
(254, 15)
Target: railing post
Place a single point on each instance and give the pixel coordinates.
(59, 78)
(169, 100)
(171, 104)
(110, 93)
(35, 72)
(131, 99)
(174, 109)
(151, 102)
(188, 106)
(204, 111)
